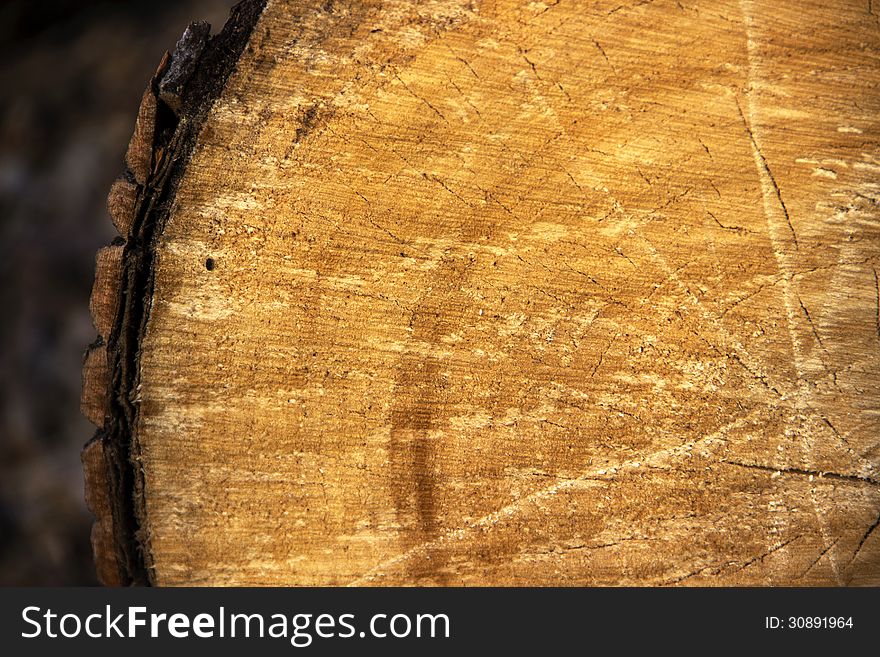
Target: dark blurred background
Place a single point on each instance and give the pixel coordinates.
(71, 77)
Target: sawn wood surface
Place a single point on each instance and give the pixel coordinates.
(518, 293)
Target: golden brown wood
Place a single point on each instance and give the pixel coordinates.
(521, 293)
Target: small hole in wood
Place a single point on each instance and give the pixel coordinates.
(209, 264)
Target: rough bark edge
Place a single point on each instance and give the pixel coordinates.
(139, 204)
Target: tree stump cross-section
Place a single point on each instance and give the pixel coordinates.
(481, 293)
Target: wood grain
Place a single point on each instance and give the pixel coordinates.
(568, 293)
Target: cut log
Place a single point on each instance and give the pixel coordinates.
(472, 293)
